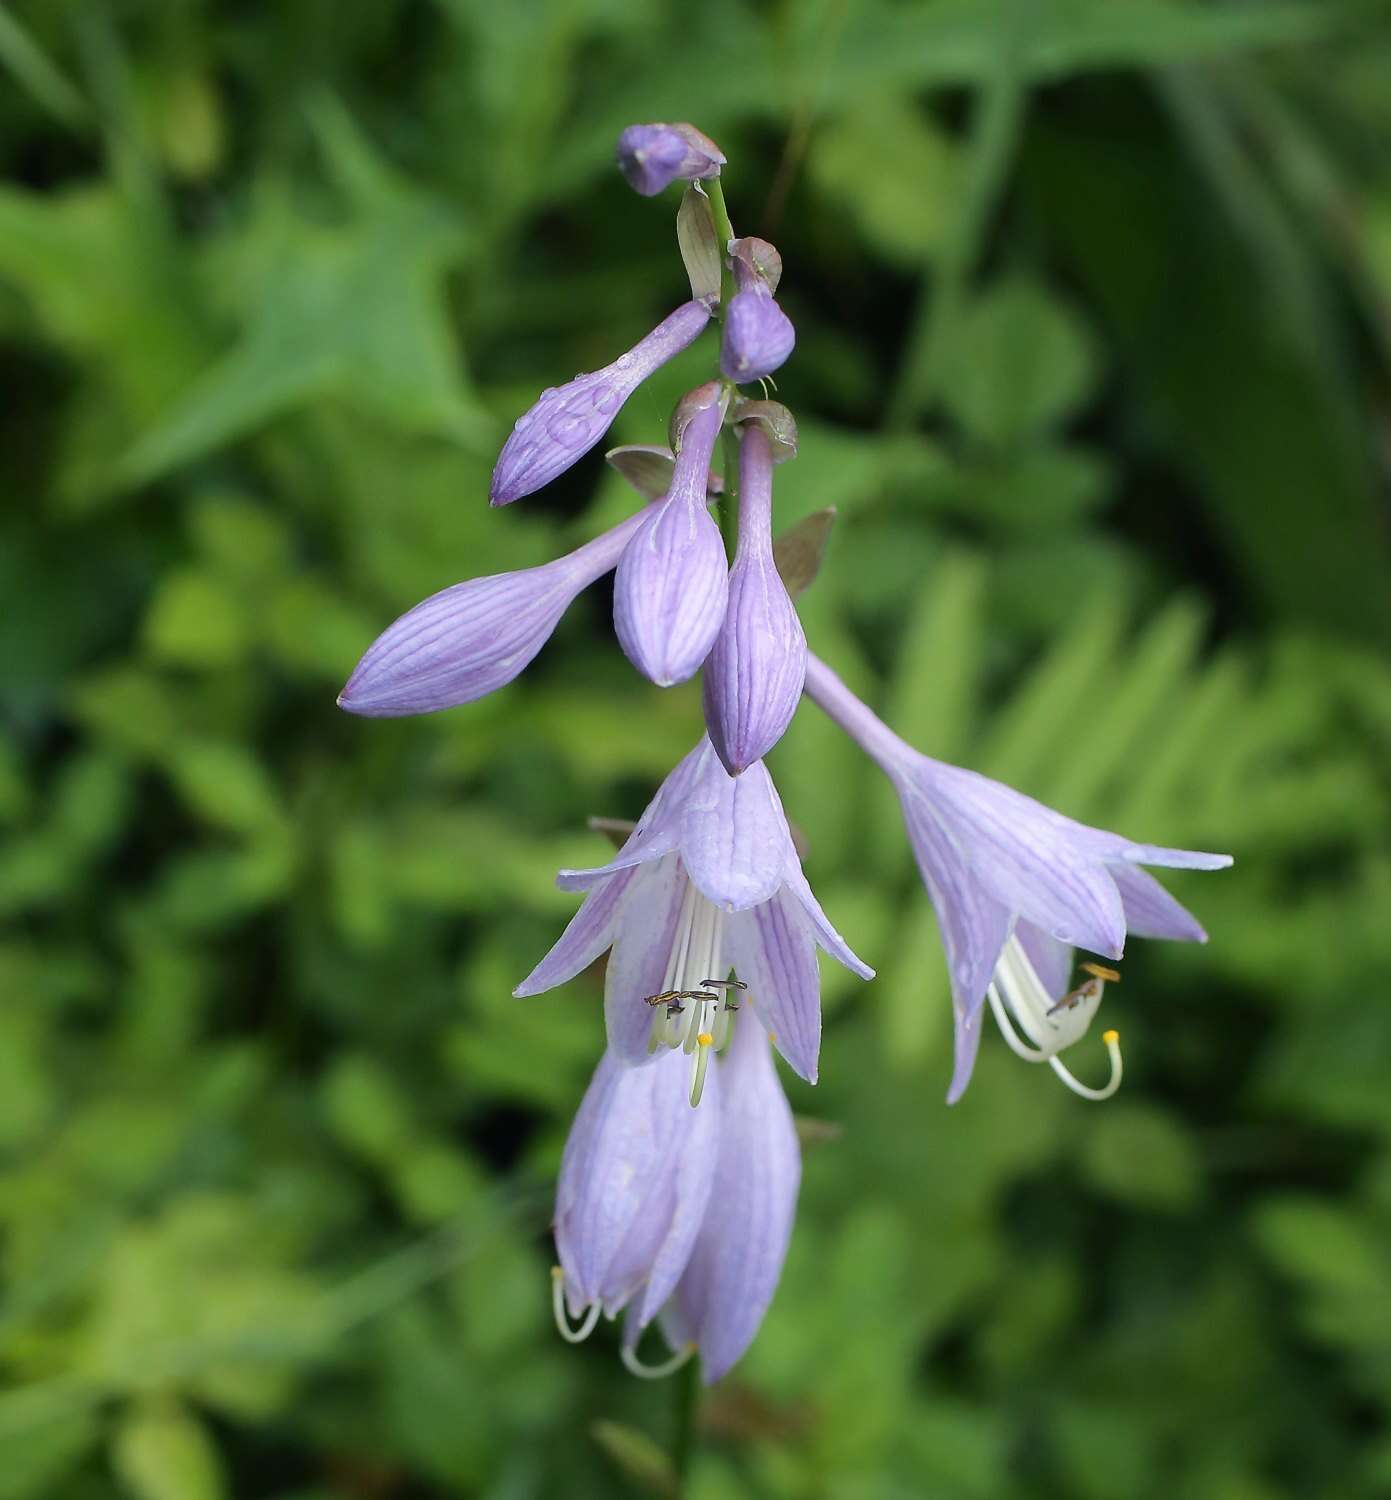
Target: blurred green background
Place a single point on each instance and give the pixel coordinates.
(1094, 312)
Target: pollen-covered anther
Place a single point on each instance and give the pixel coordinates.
(1100, 971)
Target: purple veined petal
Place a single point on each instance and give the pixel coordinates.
(758, 337)
(734, 835)
(1150, 911)
(739, 1254)
(658, 831)
(753, 676)
(630, 1198)
(672, 582)
(827, 938)
(1051, 959)
(642, 947)
(773, 952)
(589, 933)
(1026, 855)
(475, 637)
(652, 157)
(567, 421)
(1171, 859)
(974, 926)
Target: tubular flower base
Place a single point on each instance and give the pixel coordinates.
(708, 879)
(662, 1209)
(1006, 875)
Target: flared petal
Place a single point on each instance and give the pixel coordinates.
(753, 676)
(589, 933)
(641, 948)
(773, 952)
(1150, 911)
(632, 1194)
(734, 835)
(738, 1257)
(827, 938)
(567, 421)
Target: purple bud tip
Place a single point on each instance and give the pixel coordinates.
(758, 337)
(652, 157)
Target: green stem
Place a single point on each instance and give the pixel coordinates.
(686, 1389)
(724, 232)
(995, 126)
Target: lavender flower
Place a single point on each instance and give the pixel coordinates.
(672, 581)
(753, 675)
(1016, 886)
(465, 641)
(709, 878)
(652, 157)
(656, 1205)
(758, 335)
(567, 421)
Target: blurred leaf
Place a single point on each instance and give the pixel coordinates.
(638, 1459)
(196, 621)
(163, 1452)
(1138, 1154)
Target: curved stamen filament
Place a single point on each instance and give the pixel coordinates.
(1018, 1047)
(1113, 1046)
(581, 1332)
(635, 1366)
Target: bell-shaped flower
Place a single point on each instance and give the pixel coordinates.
(672, 581)
(568, 420)
(467, 640)
(739, 1253)
(758, 336)
(709, 879)
(1006, 875)
(753, 676)
(652, 157)
(634, 1183)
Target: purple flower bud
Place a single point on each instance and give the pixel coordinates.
(758, 336)
(567, 420)
(672, 580)
(652, 157)
(754, 673)
(476, 636)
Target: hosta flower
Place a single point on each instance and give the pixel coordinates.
(708, 880)
(1013, 884)
(660, 1208)
(652, 157)
(467, 640)
(672, 581)
(753, 675)
(758, 336)
(568, 420)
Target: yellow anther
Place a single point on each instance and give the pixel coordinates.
(1100, 971)
(706, 1039)
(1110, 1036)
(557, 1272)
(772, 1036)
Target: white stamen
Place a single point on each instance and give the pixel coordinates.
(697, 1023)
(655, 1372)
(580, 1333)
(1018, 999)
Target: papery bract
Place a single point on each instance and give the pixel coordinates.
(994, 860)
(753, 676)
(567, 421)
(672, 581)
(476, 636)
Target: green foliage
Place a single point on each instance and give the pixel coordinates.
(1092, 344)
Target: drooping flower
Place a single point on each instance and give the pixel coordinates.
(688, 1212)
(467, 640)
(567, 421)
(1016, 886)
(758, 336)
(672, 582)
(652, 157)
(753, 676)
(708, 879)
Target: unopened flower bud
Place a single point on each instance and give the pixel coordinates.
(672, 581)
(652, 157)
(754, 673)
(567, 421)
(758, 336)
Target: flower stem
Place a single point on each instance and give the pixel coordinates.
(724, 232)
(686, 1389)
